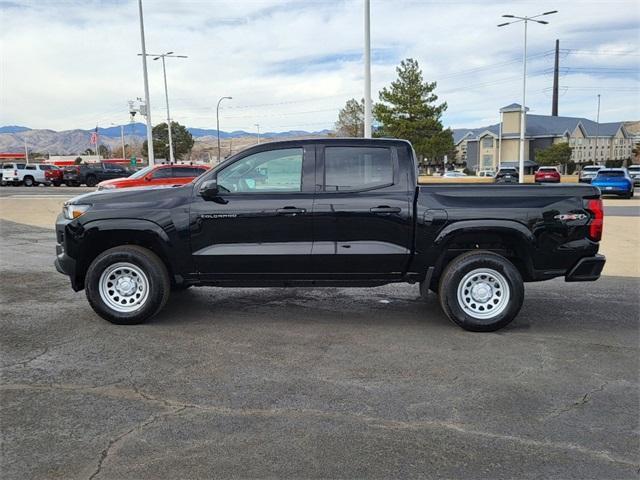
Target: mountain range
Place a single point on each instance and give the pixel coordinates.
(71, 142)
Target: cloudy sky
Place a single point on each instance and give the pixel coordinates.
(292, 64)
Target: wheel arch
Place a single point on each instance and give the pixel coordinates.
(508, 238)
(99, 235)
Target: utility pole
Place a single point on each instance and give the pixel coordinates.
(218, 122)
(523, 108)
(258, 127)
(597, 130)
(146, 89)
(26, 150)
(556, 68)
(367, 69)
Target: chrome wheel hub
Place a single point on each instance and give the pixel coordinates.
(124, 287)
(483, 293)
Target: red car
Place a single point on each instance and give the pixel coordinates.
(547, 175)
(53, 175)
(155, 175)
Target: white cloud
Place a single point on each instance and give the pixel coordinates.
(288, 65)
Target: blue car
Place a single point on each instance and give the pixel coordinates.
(614, 181)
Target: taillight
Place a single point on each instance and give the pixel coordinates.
(595, 226)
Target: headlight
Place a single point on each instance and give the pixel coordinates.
(74, 211)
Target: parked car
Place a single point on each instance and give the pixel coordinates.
(91, 174)
(614, 181)
(589, 172)
(486, 173)
(330, 212)
(156, 175)
(12, 172)
(634, 173)
(547, 175)
(454, 174)
(507, 175)
(28, 174)
(53, 175)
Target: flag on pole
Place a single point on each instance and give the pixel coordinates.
(94, 137)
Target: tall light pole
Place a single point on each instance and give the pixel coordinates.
(121, 138)
(367, 69)
(597, 131)
(258, 127)
(523, 107)
(162, 56)
(218, 122)
(146, 89)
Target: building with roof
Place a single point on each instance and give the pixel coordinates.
(486, 148)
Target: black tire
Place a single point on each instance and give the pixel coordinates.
(56, 184)
(151, 265)
(28, 181)
(463, 314)
(91, 181)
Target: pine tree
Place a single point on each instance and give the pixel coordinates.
(351, 119)
(408, 110)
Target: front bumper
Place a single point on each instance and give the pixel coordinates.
(587, 269)
(63, 262)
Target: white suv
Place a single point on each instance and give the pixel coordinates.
(29, 174)
(589, 172)
(634, 173)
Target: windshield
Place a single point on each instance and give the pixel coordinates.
(591, 169)
(635, 168)
(142, 173)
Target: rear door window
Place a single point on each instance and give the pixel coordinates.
(188, 172)
(357, 168)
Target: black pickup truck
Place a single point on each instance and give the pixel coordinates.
(329, 212)
(90, 174)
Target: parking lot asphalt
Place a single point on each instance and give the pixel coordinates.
(311, 383)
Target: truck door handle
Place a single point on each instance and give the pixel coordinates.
(385, 209)
(291, 211)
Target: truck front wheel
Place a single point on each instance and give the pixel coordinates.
(127, 285)
(481, 291)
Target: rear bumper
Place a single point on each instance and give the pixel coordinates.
(587, 269)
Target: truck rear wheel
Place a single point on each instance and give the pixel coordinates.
(127, 285)
(91, 181)
(481, 291)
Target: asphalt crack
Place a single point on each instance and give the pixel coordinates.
(583, 401)
(135, 429)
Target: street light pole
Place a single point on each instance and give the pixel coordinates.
(122, 140)
(367, 70)
(258, 127)
(523, 108)
(162, 56)
(218, 122)
(146, 89)
(597, 162)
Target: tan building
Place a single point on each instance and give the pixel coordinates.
(484, 148)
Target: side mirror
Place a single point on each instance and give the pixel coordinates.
(209, 189)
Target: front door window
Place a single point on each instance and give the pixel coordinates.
(275, 171)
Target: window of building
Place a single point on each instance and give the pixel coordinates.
(487, 142)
